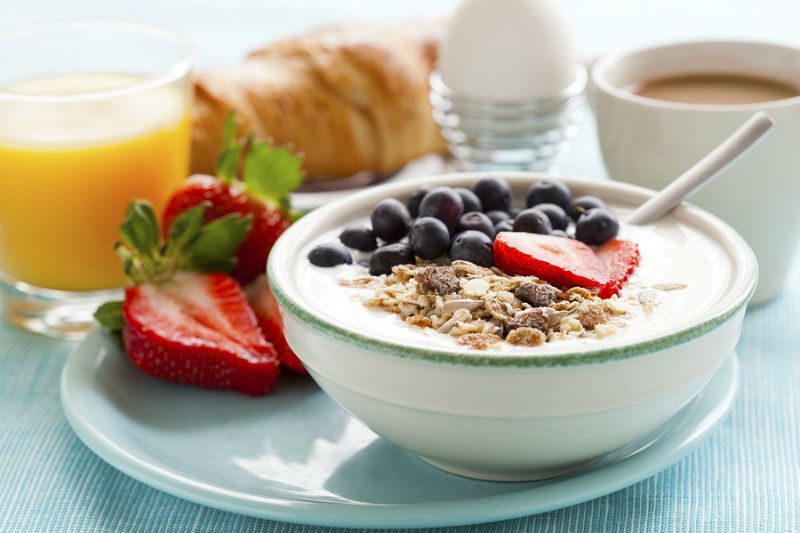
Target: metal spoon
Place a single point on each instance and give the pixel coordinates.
(704, 170)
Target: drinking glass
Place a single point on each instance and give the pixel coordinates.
(92, 115)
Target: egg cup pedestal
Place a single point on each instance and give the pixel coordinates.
(513, 135)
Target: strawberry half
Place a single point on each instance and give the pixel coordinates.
(269, 319)
(559, 261)
(621, 258)
(198, 329)
(178, 323)
(268, 174)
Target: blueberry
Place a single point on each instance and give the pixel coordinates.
(473, 246)
(494, 193)
(503, 225)
(470, 200)
(359, 237)
(330, 254)
(583, 204)
(596, 226)
(415, 199)
(549, 192)
(558, 217)
(429, 238)
(498, 216)
(533, 221)
(390, 220)
(476, 221)
(386, 257)
(560, 233)
(443, 203)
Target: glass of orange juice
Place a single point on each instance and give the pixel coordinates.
(92, 115)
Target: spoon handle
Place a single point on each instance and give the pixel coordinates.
(703, 171)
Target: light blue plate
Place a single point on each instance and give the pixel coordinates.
(297, 456)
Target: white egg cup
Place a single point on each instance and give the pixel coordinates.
(484, 134)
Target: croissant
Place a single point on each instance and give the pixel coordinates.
(350, 98)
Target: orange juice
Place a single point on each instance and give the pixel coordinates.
(66, 177)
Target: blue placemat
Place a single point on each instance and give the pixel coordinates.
(745, 478)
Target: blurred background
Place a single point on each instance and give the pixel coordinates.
(224, 30)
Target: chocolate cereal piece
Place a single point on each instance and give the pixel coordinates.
(441, 280)
(536, 294)
(536, 318)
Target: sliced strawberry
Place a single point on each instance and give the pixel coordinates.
(559, 261)
(269, 319)
(621, 258)
(178, 323)
(198, 329)
(269, 221)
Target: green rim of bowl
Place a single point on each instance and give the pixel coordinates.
(495, 360)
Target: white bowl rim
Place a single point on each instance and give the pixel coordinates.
(735, 300)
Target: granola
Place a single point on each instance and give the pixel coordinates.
(482, 307)
(441, 280)
(536, 294)
(526, 337)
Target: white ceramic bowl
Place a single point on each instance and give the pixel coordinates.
(502, 415)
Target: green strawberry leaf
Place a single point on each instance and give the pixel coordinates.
(229, 132)
(191, 244)
(228, 163)
(272, 173)
(186, 228)
(140, 249)
(139, 230)
(213, 249)
(109, 315)
(230, 157)
(268, 172)
(127, 257)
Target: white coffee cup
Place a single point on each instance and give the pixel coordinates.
(650, 142)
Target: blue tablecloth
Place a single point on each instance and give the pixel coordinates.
(745, 478)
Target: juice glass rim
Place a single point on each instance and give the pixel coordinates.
(178, 70)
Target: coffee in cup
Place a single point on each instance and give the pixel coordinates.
(714, 88)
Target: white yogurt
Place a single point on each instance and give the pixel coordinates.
(671, 253)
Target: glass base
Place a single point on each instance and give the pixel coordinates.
(59, 314)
